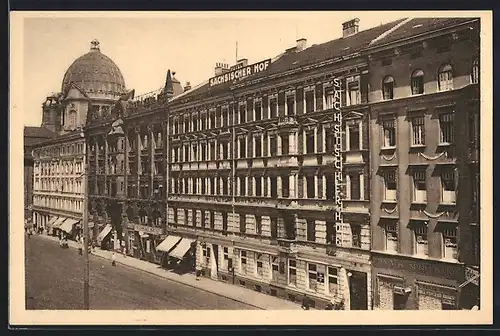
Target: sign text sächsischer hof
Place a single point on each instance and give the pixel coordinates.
(239, 73)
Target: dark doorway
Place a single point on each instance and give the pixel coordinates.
(399, 301)
(216, 254)
(358, 287)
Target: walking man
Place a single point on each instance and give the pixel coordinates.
(113, 259)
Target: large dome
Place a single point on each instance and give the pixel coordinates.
(96, 73)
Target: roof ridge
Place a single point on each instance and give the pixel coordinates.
(387, 32)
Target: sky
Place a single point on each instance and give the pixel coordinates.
(145, 47)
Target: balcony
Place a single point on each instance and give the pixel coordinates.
(288, 246)
(287, 121)
(353, 157)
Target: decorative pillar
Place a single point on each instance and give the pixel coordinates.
(361, 186)
(280, 187)
(360, 134)
(291, 183)
(315, 186)
(316, 139)
(291, 141)
(323, 138)
(347, 137)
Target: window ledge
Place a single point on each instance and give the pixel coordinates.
(390, 201)
(419, 203)
(417, 146)
(447, 204)
(444, 144)
(388, 148)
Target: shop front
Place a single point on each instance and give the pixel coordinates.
(103, 239)
(146, 239)
(405, 283)
(470, 293)
(182, 258)
(167, 245)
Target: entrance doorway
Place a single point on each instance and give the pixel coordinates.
(399, 301)
(358, 287)
(216, 254)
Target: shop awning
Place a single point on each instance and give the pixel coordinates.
(67, 226)
(168, 243)
(52, 220)
(107, 229)
(58, 222)
(181, 249)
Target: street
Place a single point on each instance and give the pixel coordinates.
(54, 280)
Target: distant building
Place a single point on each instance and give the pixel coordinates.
(424, 147)
(32, 136)
(92, 83)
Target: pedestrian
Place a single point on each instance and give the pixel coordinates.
(305, 303)
(198, 272)
(93, 245)
(113, 259)
(80, 246)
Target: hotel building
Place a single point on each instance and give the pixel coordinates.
(251, 173)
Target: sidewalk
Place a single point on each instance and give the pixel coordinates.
(234, 292)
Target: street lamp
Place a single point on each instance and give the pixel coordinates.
(86, 268)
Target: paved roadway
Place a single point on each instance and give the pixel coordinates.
(54, 280)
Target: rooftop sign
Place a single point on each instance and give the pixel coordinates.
(239, 73)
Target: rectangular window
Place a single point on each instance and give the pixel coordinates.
(389, 129)
(446, 134)
(290, 105)
(273, 146)
(448, 186)
(356, 235)
(309, 180)
(450, 247)
(417, 85)
(224, 221)
(309, 98)
(330, 98)
(212, 151)
(242, 223)
(243, 114)
(258, 224)
(331, 232)
(273, 107)
(258, 186)
(243, 148)
(258, 110)
(421, 242)
(259, 257)
(225, 117)
(284, 144)
(285, 187)
(390, 186)
(243, 186)
(203, 152)
(354, 137)
(330, 187)
(274, 187)
(391, 237)
(353, 91)
(355, 187)
(225, 151)
(310, 143)
(417, 131)
(292, 272)
(330, 140)
(243, 259)
(419, 187)
(275, 267)
(312, 276)
(333, 283)
(311, 230)
(388, 90)
(258, 147)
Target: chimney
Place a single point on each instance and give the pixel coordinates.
(350, 28)
(187, 87)
(242, 62)
(301, 44)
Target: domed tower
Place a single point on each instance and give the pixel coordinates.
(93, 79)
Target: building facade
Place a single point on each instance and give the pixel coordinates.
(32, 136)
(93, 82)
(252, 173)
(424, 144)
(126, 167)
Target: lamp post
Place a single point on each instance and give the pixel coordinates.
(86, 268)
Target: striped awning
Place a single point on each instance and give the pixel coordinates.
(58, 222)
(181, 249)
(67, 226)
(168, 243)
(107, 229)
(53, 219)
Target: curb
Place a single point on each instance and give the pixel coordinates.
(173, 280)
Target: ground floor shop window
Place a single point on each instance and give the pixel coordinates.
(399, 301)
(333, 281)
(275, 268)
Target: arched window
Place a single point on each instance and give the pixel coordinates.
(445, 78)
(474, 75)
(388, 88)
(417, 82)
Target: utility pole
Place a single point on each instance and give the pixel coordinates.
(86, 240)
